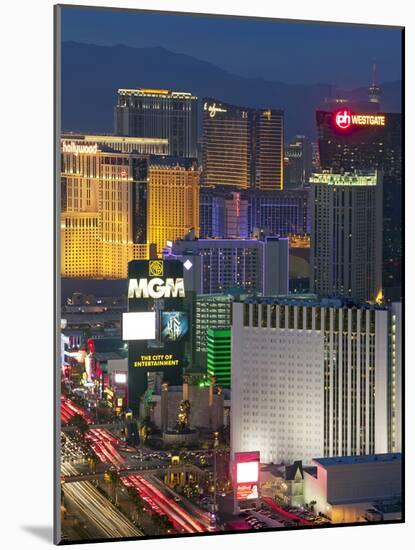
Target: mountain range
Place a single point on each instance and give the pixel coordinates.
(92, 74)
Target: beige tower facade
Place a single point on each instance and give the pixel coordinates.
(173, 200)
(98, 187)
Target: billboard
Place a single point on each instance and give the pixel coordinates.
(247, 491)
(174, 325)
(139, 325)
(157, 325)
(246, 476)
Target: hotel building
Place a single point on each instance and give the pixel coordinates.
(212, 311)
(120, 202)
(219, 355)
(242, 147)
(228, 213)
(297, 162)
(371, 147)
(219, 265)
(173, 200)
(153, 113)
(346, 235)
(312, 378)
(99, 186)
(281, 213)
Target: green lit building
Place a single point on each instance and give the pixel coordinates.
(219, 355)
(212, 311)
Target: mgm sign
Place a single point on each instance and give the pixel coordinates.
(156, 325)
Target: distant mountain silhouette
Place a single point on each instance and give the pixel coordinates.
(92, 74)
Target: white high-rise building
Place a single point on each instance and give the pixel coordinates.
(396, 378)
(312, 378)
(346, 235)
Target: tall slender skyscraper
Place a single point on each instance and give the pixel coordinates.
(346, 235)
(349, 141)
(173, 200)
(242, 146)
(159, 114)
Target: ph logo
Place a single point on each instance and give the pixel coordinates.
(343, 119)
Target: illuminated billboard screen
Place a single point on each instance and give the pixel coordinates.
(174, 325)
(120, 378)
(247, 491)
(246, 475)
(247, 471)
(139, 325)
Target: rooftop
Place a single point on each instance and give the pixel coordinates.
(312, 300)
(155, 92)
(173, 161)
(361, 459)
(346, 179)
(106, 138)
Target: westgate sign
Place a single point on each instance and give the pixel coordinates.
(345, 119)
(156, 288)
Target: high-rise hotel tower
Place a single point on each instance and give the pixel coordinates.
(173, 200)
(120, 203)
(346, 235)
(242, 147)
(350, 142)
(102, 194)
(315, 378)
(159, 114)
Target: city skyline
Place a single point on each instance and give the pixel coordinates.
(231, 318)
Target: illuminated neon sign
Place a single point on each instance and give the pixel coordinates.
(76, 149)
(213, 109)
(246, 475)
(156, 288)
(345, 119)
(154, 360)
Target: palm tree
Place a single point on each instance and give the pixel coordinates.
(136, 504)
(93, 462)
(115, 479)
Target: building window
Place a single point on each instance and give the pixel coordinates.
(255, 315)
(264, 316)
(282, 316)
(246, 315)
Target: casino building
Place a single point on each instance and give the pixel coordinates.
(242, 147)
(122, 200)
(226, 212)
(213, 311)
(99, 190)
(159, 114)
(172, 200)
(258, 265)
(314, 378)
(350, 141)
(346, 235)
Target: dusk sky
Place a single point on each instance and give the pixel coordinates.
(286, 51)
